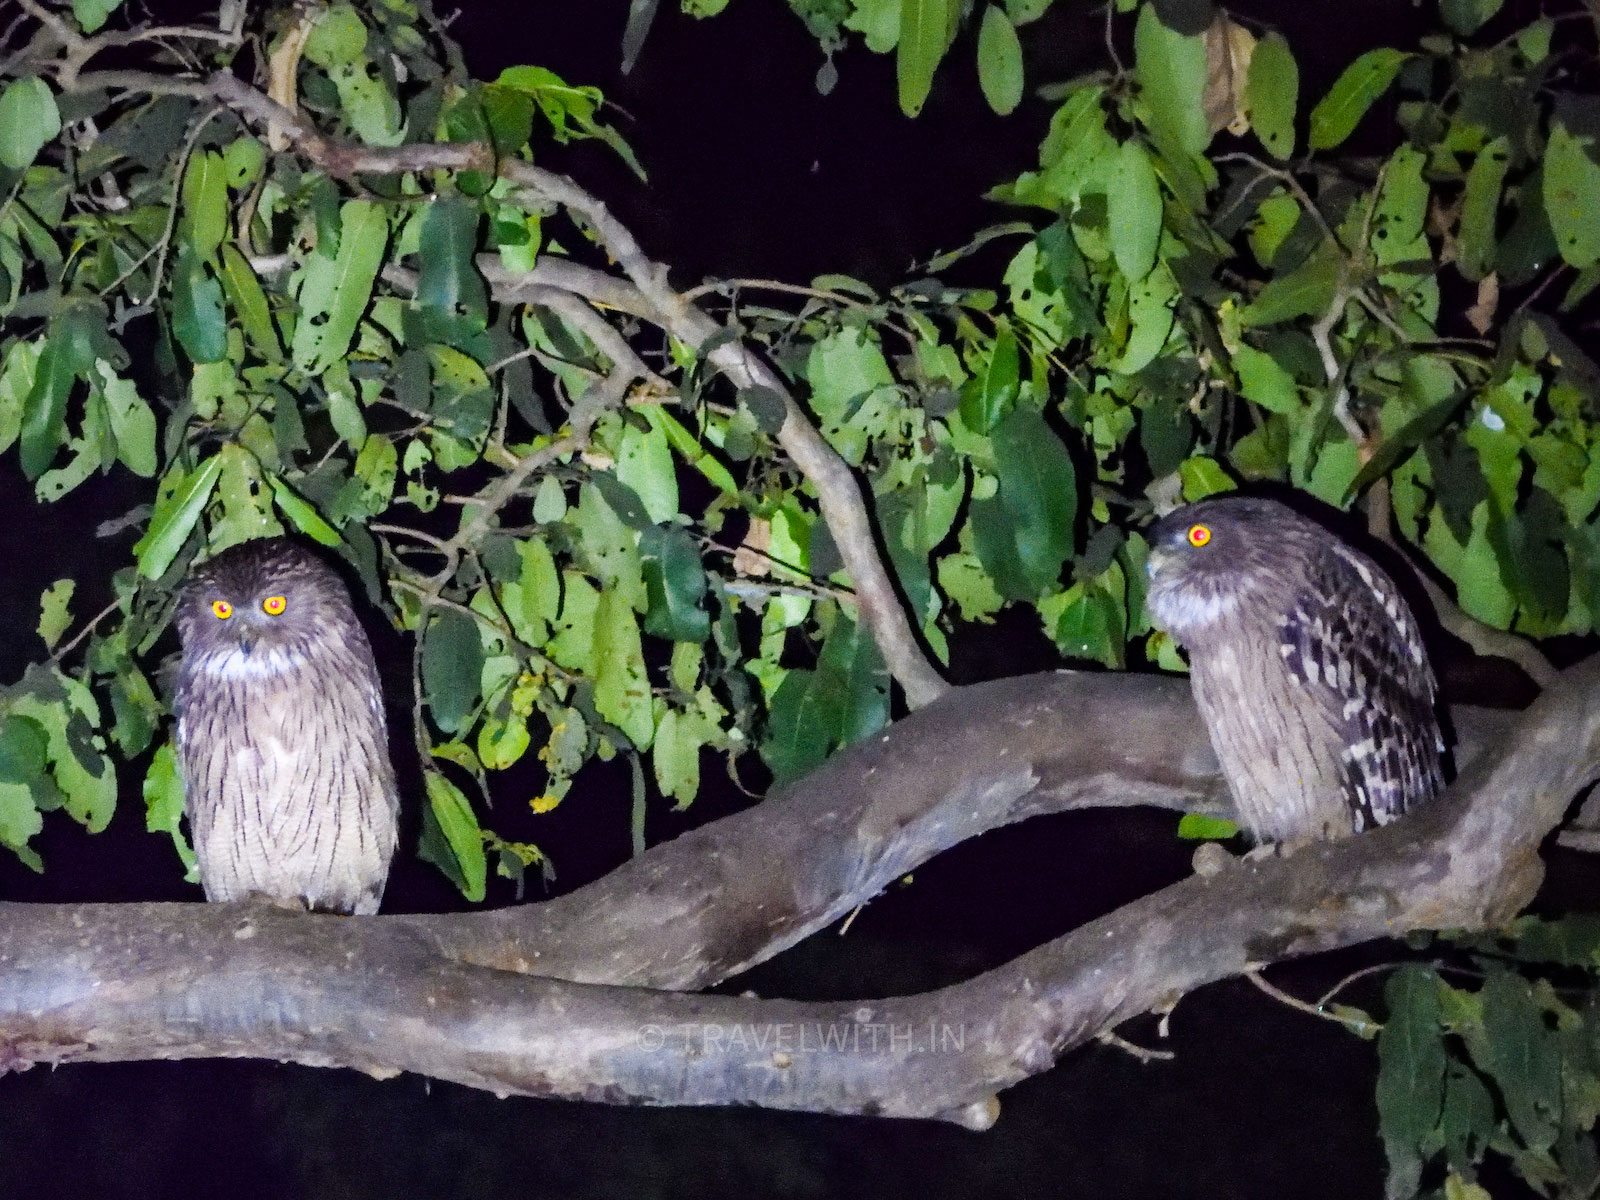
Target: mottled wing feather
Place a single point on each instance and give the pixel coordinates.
(1352, 640)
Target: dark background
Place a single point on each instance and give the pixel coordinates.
(752, 174)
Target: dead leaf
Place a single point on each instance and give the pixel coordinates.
(1481, 315)
(1228, 50)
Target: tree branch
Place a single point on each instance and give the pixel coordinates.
(116, 982)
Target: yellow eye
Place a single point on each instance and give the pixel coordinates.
(273, 605)
(1199, 535)
(222, 608)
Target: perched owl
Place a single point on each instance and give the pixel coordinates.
(1307, 666)
(281, 740)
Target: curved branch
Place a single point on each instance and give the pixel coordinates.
(113, 982)
(838, 493)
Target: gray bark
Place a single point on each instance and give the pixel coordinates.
(445, 995)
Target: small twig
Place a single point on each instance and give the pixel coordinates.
(1111, 45)
(402, 531)
(1143, 1053)
(1283, 997)
(67, 647)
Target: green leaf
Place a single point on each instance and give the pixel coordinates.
(44, 415)
(675, 582)
(54, 614)
(205, 203)
(1271, 94)
(301, 514)
(675, 756)
(175, 516)
(621, 684)
(1480, 205)
(801, 720)
(452, 664)
(572, 643)
(1090, 625)
(448, 280)
(1171, 67)
(198, 317)
(1411, 1067)
(1026, 531)
(29, 118)
(86, 784)
(850, 661)
(451, 839)
(989, 394)
(610, 547)
(1133, 203)
(1521, 1055)
(924, 36)
(999, 61)
(333, 292)
(1203, 477)
(1150, 313)
(249, 303)
(17, 377)
(540, 582)
(133, 424)
(23, 749)
(163, 805)
(1264, 381)
(242, 161)
(1305, 291)
(92, 14)
(644, 464)
(501, 743)
(1363, 81)
(1200, 827)
(1572, 196)
(1467, 16)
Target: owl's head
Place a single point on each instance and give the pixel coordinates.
(1208, 557)
(264, 601)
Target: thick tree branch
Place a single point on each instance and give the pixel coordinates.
(111, 982)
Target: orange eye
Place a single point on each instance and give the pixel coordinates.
(222, 608)
(1199, 535)
(273, 605)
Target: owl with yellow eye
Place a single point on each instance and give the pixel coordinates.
(1307, 666)
(281, 739)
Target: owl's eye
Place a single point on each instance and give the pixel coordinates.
(273, 605)
(1199, 535)
(222, 608)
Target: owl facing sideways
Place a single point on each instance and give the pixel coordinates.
(1307, 665)
(281, 738)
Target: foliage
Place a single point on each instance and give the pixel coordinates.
(1504, 1063)
(328, 359)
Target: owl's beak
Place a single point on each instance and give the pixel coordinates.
(1158, 558)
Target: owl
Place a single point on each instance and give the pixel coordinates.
(1307, 665)
(281, 739)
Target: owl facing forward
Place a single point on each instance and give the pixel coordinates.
(1307, 665)
(281, 740)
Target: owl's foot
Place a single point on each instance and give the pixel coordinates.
(1211, 859)
(1280, 849)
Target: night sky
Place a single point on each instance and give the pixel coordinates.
(754, 174)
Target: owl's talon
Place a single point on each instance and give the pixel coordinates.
(1211, 859)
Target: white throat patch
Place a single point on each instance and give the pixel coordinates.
(258, 664)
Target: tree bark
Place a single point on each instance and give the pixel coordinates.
(385, 994)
